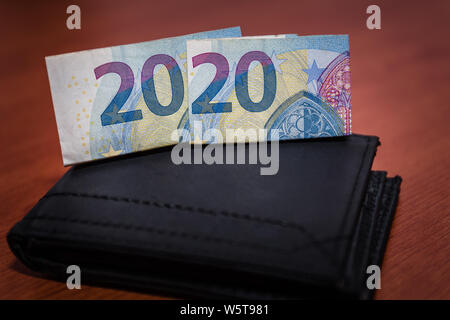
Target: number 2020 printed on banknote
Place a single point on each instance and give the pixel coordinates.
(121, 99)
(296, 86)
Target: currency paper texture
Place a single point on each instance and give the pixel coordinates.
(121, 99)
(299, 86)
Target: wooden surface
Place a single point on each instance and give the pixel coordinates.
(400, 92)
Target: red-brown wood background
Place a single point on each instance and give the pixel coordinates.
(400, 92)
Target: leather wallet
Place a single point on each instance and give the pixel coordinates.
(218, 231)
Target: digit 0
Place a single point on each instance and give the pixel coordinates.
(241, 81)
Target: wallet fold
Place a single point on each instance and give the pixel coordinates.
(219, 231)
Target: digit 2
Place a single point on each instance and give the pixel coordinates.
(111, 115)
(203, 103)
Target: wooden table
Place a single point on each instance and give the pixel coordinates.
(400, 88)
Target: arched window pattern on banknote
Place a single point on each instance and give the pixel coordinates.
(305, 116)
(334, 88)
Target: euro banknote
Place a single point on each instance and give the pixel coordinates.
(121, 99)
(298, 87)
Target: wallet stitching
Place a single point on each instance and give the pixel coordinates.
(382, 229)
(135, 243)
(172, 233)
(369, 209)
(387, 212)
(158, 231)
(245, 217)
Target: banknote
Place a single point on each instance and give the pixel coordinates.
(121, 99)
(296, 86)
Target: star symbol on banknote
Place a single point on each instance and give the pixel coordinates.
(313, 72)
(111, 152)
(207, 107)
(277, 62)
(114, 115)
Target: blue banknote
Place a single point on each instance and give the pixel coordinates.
(296, 86)
(121, 99)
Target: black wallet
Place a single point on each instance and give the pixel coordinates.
(219, 231)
